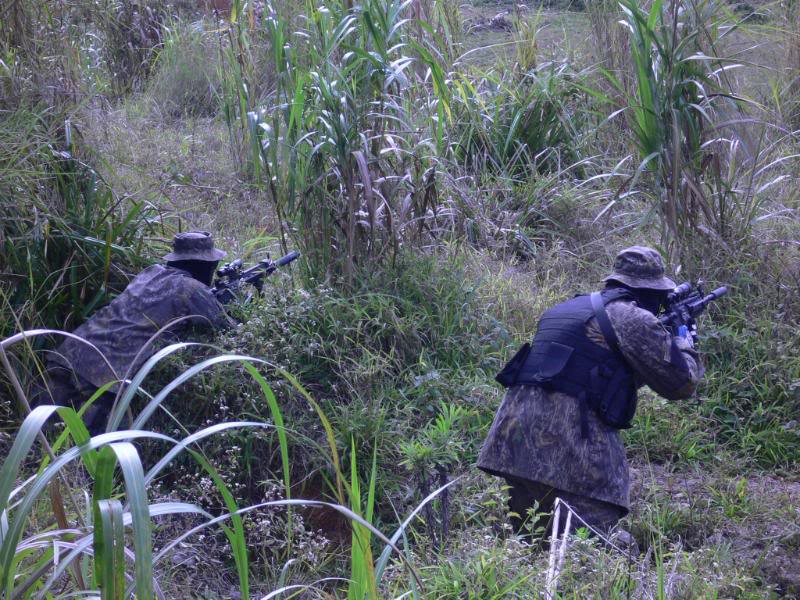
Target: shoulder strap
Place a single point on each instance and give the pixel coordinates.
(604, 321)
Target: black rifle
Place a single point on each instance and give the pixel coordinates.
(685, 304)
(233, 276)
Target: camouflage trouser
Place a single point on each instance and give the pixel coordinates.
(65, 388)
(524, 495)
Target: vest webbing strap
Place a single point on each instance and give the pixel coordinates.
(604, 322)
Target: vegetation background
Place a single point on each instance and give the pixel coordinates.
(448, 171)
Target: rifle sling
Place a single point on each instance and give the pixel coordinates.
(604, 322)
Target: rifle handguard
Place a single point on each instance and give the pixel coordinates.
(232, 276)
(691, 303)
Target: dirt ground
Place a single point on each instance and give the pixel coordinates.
(755, 516)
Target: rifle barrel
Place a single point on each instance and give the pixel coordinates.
(716, 294)
(285, 260)
(266, 267)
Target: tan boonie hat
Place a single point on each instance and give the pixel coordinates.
(194, 245)
(640, 267)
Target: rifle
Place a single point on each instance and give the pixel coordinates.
(232, 276)
(685, 304)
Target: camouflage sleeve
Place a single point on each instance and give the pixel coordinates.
(202, 304)
(666, 364)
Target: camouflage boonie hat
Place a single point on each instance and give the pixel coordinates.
(194, 245)
(640, 267)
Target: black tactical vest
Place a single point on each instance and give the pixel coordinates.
(562, 358)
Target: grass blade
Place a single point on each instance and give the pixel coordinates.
(133, 473)
(109, 555)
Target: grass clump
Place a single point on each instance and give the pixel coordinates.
(68, 241)
(707, 182)
(404, 359)
(131, 32)
(185, 79)
(517, 123)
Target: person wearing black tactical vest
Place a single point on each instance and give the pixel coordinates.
(556, 433)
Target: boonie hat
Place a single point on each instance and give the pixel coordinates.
(640, 267)
(194, 245)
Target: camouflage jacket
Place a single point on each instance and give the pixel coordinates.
(122, 329)
(536, 435)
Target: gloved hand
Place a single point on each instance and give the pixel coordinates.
(688, 333)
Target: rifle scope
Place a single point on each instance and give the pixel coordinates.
(230, 268)
(679, 293)
(716, 294)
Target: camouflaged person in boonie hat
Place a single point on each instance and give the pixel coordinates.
(194, 245)
(640, 267)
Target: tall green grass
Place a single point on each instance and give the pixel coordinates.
(37, 558)
(361, 119)
(517, 125)
(28, 41)
(185, 73)
(60, 53)
(345, 141)
(680, 103)
(792, 33)
(67, 239)
(131, 31)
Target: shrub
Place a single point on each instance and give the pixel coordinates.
(422, 311)
(516, 125)
(68, 242)
(185, 78)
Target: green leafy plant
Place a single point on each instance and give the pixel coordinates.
(733, 500)
(437, 450)
(512, 124)
(331, 144)
(363, 581)
(679, 91)
(33, 563)
(67, 239)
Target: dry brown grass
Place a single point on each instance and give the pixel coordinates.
(610, 41)
(182, 166)
(792, 8)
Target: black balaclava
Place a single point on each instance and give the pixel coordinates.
(202, 270)
(649, 300)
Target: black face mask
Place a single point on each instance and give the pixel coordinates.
(650, 300)
(202, 270)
